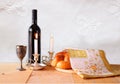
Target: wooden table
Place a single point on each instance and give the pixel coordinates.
(51, 76)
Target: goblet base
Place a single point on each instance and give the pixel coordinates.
(21, 69)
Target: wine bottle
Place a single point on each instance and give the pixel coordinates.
(34, 39)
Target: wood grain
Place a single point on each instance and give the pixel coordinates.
(50, 75)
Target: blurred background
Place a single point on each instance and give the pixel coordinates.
(82, 24)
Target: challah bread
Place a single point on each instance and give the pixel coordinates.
(61, 60)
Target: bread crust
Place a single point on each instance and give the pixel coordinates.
(61, 60)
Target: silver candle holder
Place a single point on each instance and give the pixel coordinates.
(36, 65)
(47, 59)
(36, 59)
(50, 55)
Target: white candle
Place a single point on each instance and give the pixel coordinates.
(51, 43)
(36, 43)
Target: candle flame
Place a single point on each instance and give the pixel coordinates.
(36, 35)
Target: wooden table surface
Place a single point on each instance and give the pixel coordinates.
(51, 76)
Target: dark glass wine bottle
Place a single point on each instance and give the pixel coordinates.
(34, 39)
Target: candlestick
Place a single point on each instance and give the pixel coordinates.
(51, 43)
(48, 59)
(36, 65)
(50, 55)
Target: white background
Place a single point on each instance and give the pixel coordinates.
(83, 24)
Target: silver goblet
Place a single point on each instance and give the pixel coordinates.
(21, 51)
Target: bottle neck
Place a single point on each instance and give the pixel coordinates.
(34, 16)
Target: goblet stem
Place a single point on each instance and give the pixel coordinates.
(21, 67)
(21, 64)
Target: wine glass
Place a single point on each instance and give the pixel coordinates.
(21, 51)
